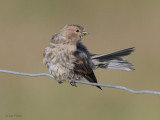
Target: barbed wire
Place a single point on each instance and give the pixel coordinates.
(87, 83)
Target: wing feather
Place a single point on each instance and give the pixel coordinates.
(82, 67)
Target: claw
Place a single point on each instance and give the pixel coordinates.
(72, 82)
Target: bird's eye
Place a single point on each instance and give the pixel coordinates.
(77, 30)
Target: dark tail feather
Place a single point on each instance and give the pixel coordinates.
(99, 87)
(114, 60)
(92, 80)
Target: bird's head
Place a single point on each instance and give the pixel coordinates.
(73, 33)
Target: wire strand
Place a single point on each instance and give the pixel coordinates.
(87, 83)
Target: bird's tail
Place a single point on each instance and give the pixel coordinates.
(113, 60)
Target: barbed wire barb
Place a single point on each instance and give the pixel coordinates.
(83, 82)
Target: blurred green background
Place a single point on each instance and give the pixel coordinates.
(25, 30)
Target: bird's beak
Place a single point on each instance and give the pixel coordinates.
(84, 33)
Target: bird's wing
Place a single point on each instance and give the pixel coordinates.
(82, 67)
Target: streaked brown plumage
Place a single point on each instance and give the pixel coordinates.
(68, 59)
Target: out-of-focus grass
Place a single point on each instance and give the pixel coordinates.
(26, 28)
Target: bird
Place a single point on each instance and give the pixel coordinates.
(68, 59)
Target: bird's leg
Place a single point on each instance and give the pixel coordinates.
(72, 82)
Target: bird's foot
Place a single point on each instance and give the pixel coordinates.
(60, 82)
(72, 82)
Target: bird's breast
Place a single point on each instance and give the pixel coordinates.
(60, 60)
